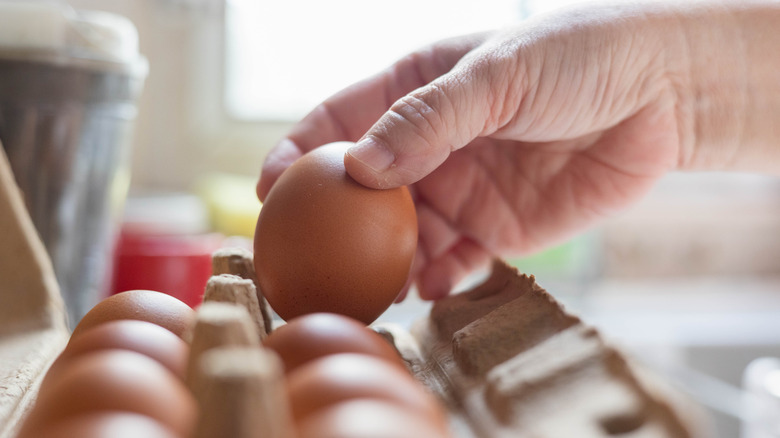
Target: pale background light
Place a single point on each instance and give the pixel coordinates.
(285, 57)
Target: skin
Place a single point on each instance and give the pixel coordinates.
(515, 140)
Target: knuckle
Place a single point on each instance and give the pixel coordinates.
(416, 111)
(421, 112)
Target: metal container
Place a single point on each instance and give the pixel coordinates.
(69, 83)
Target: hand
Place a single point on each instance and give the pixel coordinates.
(516, 140)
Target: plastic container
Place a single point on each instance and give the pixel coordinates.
(165, 245)
(69, 83)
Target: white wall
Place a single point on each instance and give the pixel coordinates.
(182, 131)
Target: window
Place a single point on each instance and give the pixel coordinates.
(285, 57)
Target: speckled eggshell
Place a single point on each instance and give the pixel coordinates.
(143, 305)
(341, 377)
(142, 337)
(369, 418)
(325, 243)
(316, 335)
(104, 424)
(115, 380)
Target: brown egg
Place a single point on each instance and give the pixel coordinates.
(145, 305)
(142, 337)
(104, 424)
(340, 377)
(325, 243)
(115, 380)
(312, 336)
(369, 419)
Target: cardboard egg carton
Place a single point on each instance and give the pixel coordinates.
(32, 316)
(509, 361)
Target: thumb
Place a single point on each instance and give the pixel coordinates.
(420, 130)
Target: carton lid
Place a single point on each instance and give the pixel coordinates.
(50, 29)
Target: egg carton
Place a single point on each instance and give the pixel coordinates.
(508, 361)
(504, 358)
(32, 316)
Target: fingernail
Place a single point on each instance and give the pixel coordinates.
(372, 154)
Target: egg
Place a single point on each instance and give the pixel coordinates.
(325, 243)
(144, 305)
(369, 418)
(340, 377)
(141, 337)
(115, 380)
(104, 424)
(312, 336)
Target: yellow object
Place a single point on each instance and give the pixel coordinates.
(232, 203)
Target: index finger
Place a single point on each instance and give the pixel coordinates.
(347, 115)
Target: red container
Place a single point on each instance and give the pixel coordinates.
(179, 265)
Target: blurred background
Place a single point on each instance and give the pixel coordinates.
(688, 280)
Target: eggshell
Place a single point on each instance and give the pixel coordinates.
(104, 424)
(325, 243)
(312, 336)
(369, 419)
(145, 305)
(340, 377)
(141, 337)
(115, 380)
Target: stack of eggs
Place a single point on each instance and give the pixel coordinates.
(121, 374)
(345, 380)
(124, 370)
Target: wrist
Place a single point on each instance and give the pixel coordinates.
(727, 89)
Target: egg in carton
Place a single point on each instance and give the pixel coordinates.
(507, 360)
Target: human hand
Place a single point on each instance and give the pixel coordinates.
(515, 140)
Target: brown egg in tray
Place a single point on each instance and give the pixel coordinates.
(506, 360)
(502, 359)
